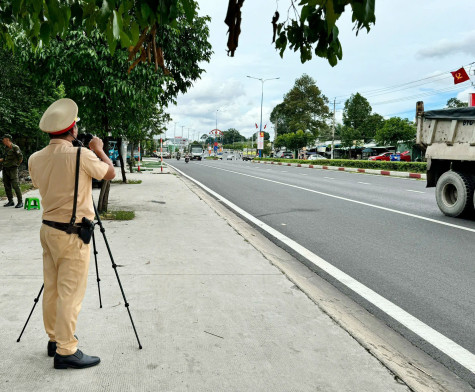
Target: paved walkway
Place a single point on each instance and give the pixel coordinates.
(211, 312)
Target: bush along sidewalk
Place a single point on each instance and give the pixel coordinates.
(411, 167)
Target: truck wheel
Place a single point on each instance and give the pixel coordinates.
(454, 193)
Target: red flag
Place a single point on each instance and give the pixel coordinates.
(460, 76)
(256, 126)
(265, 126)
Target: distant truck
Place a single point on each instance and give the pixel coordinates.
(248, 154)
(196, 152)
(448, 138)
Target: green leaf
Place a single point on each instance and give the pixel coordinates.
(116, 24)
(145, 10)
(111, 41)
(135, 32)
(305, 13)
(124, 40)
(189, 7)
(16, 6)
(45, 32)
(331, 16)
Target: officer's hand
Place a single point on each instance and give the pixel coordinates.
(96, 144)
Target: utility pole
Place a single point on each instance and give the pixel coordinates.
(333, 128)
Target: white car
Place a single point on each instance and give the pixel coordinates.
(315, 157)
(230, 157)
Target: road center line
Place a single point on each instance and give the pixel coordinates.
(410, 190)
(364, 183)
(436, 339)
(349, 200)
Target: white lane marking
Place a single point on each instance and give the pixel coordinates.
(350, 200)
(439, 341)
(304, 174)
(284, 224)
(410, 190)
(329, 178)
(364, 183)
(283, 171)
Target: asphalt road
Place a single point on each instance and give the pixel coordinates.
(406, 250)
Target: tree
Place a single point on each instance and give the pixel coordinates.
(115, 103)
(304, 108)
(279, 119)
(396, 130)
(134, 23)
(456, 103)
(356, 111)
(359, 125)
(22, 102)
(232, 135)
(294, 140)
(370, 126)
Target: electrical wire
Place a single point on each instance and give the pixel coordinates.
(407, 85)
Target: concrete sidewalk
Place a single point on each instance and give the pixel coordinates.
(212, 313)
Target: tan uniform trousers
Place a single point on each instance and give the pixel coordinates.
(65, 268)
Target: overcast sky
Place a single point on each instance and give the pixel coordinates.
(412, 40)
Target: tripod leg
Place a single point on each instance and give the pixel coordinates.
(97, 269)
(114, 266)
(28, 319)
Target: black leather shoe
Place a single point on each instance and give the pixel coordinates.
(19, 205)
(76, 361)
(52, 347)
(9, 204)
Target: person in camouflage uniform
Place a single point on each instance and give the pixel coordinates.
(11, 161)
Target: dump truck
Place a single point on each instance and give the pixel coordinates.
(448, 138)
(248, 154)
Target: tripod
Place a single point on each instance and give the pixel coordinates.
(114, 266)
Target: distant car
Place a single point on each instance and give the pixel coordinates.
(315, 157)
(230, 157)
(386, 156)
(287, 155)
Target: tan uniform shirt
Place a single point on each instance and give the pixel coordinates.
(53, 171)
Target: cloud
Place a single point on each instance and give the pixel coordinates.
(446, 47)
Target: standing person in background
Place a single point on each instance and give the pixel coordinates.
(12, 160)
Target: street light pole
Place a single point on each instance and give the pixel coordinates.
(174, 138)
(262, 100)
(333, 129)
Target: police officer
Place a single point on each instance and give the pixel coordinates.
(13, 159)
(65, 255)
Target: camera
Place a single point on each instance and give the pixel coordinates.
(83, 140)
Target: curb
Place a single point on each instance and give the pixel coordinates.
(350, 169)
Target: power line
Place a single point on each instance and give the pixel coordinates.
(407, 85)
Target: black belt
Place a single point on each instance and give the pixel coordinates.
(62, 226)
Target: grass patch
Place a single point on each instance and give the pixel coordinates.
(151, 164)
(128, 182)
(118, 215)
(24, 188)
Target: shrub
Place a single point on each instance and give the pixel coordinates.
(412, 167)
